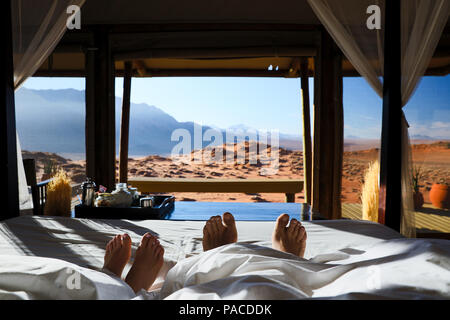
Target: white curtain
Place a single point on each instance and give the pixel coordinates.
(37, 26)
(422, 23)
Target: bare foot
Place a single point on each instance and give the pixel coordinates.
(147, 263)
(117, 254)
(218, 232)
(290, 239)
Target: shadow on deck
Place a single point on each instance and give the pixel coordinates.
(430, 222)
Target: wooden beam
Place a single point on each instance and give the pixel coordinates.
(125, 124)
(150, 185)
(328, 130)
(390, 196)
(307, 151)
(9, 197)
(216, 53)
(100, 112)
(140, 67)
(178, 73)
(215, 73)
(183, 27)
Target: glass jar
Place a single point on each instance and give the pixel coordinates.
(104, 200)
(134, 193)
(122, 197)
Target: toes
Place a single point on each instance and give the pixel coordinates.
(298, 229)
(126, 240)
(118, 241)
(302, 233)
(159, 251)
(282, 221)
(228, 219)
(220, 224)
(217, 224)
(291, 228)
(114, 243)
(146, 240)
(209, 227)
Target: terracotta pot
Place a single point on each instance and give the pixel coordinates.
(440, 196)
(418, 200)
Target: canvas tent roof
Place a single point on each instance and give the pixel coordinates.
(204, 38)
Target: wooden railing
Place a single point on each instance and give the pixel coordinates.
(154, 185)
(39, 196)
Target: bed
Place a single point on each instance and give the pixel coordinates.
(61, 258)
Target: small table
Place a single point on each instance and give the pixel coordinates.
(242, 211)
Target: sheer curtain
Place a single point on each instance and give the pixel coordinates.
(422, 24)
(37, 26)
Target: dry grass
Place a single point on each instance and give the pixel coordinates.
(59, 195)
(369, 194)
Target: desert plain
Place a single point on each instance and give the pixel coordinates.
(431, 157)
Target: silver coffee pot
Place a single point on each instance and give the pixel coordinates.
(88, 193)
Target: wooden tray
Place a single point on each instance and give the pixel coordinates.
(164, 205)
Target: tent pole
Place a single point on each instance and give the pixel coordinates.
(390, 195)
(307, 153)
(328, 130)
(125, 123)
(8, 171)
(100, 111)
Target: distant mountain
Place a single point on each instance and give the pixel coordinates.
(54, 121)
(350, 137)
(421, 137)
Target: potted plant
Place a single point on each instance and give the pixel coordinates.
(417, 195)
(49, 170)
(440, 194)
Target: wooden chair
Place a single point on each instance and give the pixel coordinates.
(38, 190)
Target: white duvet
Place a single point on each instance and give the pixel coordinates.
(401, 268)
(32, 278)
(398, 268)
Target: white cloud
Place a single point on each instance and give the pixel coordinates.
(436, 129)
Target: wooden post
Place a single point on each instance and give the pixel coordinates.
(390, 196)
(307, 152)
(9, 197)
(290, 197)
(100, 112)
(328, 130)
(125, 124)
(90, 111)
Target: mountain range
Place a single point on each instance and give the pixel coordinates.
(54, 121)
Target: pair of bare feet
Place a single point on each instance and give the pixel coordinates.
(147, 262)
(218, 231)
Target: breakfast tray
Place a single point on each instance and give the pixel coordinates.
(164, 205)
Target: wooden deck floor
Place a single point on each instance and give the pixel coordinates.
(429, 220)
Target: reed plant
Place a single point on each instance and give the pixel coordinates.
(59, 195)
(370, 191)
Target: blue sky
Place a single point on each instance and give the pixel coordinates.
(266, 103)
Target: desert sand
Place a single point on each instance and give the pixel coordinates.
(432, 158)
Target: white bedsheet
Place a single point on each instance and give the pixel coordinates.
(34, 278)
(81, 242)
(400, 269)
